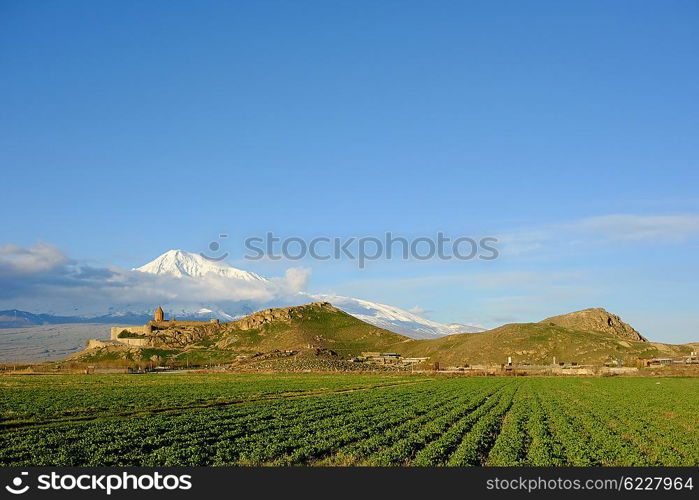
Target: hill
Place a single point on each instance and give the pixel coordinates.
(318, 325)
(314, 330)
(539, 343)
(320, 330)
(596, 319)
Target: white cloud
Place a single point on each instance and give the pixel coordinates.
(40, 258)
(296, 278)
(640, 227)
(42, 279)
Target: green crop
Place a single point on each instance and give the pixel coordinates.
(391, 420)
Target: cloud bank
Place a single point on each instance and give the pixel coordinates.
(41, 278)
(40, 258)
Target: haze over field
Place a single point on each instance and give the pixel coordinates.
(34, 344)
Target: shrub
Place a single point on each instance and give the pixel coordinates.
(125, 334)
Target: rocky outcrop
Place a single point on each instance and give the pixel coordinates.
(183, 335)
(596, 319)
(283, 314)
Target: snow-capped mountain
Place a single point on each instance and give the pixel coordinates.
(182, 264)
(189, 286)
(396, 319)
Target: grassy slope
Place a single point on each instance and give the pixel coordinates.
(329, 328)
(312, 326)
(536, 343)
(318, 327)
(525, 342)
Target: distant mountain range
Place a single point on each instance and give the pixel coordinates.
(188, 266)
(14, 318)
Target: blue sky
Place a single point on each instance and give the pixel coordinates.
(129, 128)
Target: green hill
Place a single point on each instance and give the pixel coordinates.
(316, 330)
(590, 336)
(313, 326)
(320, 330)
(537, 343)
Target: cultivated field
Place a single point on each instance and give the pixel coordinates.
(202, 419)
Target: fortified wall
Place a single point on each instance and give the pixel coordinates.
(144, 335)
(136, 330)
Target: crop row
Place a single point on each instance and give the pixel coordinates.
(411, 421)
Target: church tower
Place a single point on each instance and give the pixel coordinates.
(158, 314)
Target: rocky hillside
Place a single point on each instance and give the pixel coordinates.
(282, 314)
(538, 343)
(596, 319)
(591, 336)
(319, 329)
(316, 330)
(318, 325)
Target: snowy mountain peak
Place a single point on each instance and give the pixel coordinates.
(186, 265)
(396, 319)
(183, 264)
